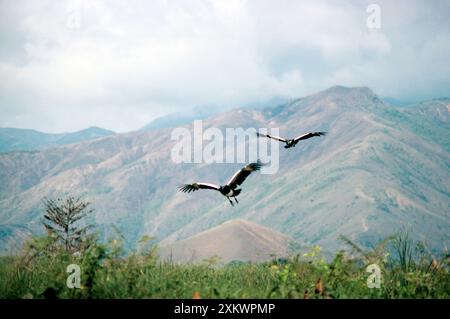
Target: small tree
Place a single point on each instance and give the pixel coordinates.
(61, 220)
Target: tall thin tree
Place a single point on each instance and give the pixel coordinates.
(62, 218)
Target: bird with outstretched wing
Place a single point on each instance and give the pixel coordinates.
(230, 189)
(292, 142)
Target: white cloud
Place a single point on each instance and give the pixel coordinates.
(118, 64)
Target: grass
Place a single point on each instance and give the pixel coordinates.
(408, 271)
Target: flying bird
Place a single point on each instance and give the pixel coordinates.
(230, 189)
(293, 142)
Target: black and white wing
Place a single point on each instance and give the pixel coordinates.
(308, 135)
(272, 136)
(187, 188)
(239, 177)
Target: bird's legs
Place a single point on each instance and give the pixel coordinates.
(230, 201)
(236, 200)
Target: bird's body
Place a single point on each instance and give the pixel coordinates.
(230, 193)
(229, 190)
(292, 142)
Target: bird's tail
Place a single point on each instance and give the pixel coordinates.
(236, 192)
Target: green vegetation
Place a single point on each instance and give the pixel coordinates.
(407, 269)
(107, 273)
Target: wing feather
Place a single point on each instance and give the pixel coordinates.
(239, 177)
(272, 136)
(187, 188)
(308, 135)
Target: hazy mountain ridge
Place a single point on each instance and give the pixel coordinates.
(200, 113)
(369, 176)
(14, 139)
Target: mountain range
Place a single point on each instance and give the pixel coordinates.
(380, 168)
(14, 139)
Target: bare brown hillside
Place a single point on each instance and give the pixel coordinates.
(234, 240)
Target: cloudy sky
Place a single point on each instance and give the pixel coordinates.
(67, 65)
